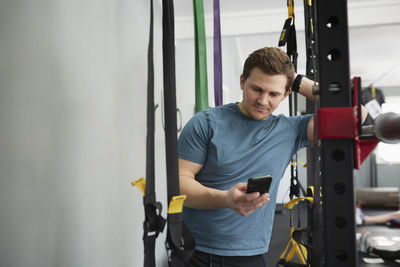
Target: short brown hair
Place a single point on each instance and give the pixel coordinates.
(272, 61)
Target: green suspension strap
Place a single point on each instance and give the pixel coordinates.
(201, 83)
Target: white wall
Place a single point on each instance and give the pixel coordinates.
(73, 78)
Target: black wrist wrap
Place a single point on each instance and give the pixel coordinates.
(296, 83)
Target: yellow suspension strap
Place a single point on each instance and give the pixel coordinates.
(154, 223)
(180, 242)
(295, 245)
(299, 163)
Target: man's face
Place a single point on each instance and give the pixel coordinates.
(262, 93)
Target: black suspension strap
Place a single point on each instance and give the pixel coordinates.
(288, 38)
(154, 223)
(180, 243)
(288, 34)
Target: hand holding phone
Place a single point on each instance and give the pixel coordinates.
(259, 184)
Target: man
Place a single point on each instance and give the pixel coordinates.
(220, 148)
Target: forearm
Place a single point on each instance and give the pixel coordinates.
(306, 89)
(382, 218)
(201, 197)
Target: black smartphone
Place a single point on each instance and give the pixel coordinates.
(259, 184)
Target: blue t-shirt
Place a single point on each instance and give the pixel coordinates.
(232, 148)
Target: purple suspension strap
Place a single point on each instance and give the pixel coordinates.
(217, 56)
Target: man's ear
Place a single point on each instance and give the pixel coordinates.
(241, 82)
(288, 92)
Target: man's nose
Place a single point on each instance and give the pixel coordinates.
(263, 99)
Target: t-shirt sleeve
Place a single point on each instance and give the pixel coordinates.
(301, 124)
(193, 140)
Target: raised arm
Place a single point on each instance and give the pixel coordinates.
(305, 89)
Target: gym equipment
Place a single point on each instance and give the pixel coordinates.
(387, 127)
(378, 197)
(180, 244)
(288, 38)
(217, 56)
(200, 52)
(153, 223)
(296, 242)
(384, 243)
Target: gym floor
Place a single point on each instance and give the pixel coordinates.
(280, 237)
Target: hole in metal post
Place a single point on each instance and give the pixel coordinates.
(338, 155)
(332, 22)
(340, 222)
(342, 255)
(335, 88)
(333, 55)
(340, 188)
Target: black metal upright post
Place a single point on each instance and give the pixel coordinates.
(337, 159)
(313, 163)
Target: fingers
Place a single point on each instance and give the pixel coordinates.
(250, 202)
(264, 200)
(245, 203)
(251, 196)
(242, 187)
